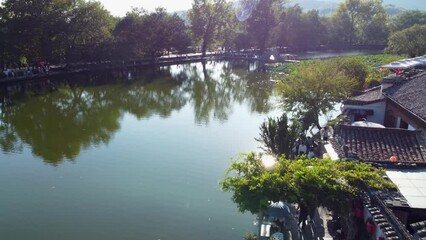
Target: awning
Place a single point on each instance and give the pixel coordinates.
(395, 65)
(278, 210)
(405, 63)
(367, 124)
(421, 59)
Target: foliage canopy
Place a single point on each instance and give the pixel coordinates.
(411, 41)
(407, 19)
(207, 18)
(315, 87)
(278, 136)
(312, 182)
(357, 66)
(360, 22)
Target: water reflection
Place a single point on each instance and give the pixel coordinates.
(59, 119)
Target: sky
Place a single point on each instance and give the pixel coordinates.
(120, 7)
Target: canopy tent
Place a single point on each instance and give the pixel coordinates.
(411, 62)
(397, 65)
(277, 236)
(421, 59)
(406, 63)
(367, 124)
(278, 210)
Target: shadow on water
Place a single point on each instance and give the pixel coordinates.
(59, 118)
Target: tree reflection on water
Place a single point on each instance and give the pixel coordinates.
(60, 118)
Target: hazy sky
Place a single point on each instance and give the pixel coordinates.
(120, 7)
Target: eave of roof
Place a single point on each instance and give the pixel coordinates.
(411, 95)
(384, 217)
(379, 144)
(419, 228)
(368, 96)
(361, 103)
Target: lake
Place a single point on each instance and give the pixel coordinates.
(130, 155)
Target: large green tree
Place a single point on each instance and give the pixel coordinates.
(89, 32)
(313, 88)
(342, 30)
(359, 22)
(300, 30)
(55, 30)
(229, 31)
(127, 35)
(178, 34)
(35, 29)
(411, 41)
(263, 19)
(161, 31)
(278, 135)
(407, 19)
(287, 30)
(354, 68)
(141, 33)
(207, 19)
(375, 24)
(308, 182)
(3, 39)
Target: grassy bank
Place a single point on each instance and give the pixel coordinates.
(371, 63)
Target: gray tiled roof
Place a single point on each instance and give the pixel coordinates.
(366, 97)
(383, 223)
(384, 218)
(379, 144)
(420, 229)
(411, 95)
(393, 199)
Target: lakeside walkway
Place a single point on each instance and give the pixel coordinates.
(22, 75)
(314, 230)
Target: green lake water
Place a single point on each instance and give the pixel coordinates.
(130, 155)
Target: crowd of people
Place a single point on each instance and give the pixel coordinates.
(306, 145)
(41, 68)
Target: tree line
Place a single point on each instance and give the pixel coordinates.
(66, 31)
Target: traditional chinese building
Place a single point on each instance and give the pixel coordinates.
(399, 102)
(394, 138)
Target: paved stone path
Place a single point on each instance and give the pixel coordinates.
(314, 230)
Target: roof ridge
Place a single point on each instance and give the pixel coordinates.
(381, 129)
(360, 92)
(405, 81)
(371, 89)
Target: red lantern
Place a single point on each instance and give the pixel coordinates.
(393, 159)
(359, 213)
(371, 227)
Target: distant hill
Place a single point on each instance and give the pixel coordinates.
(394, 10)
(327, 7)
(407, 4)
